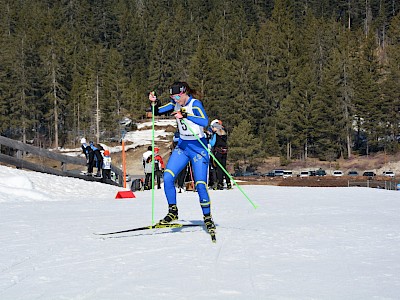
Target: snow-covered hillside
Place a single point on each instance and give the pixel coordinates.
(300, 243)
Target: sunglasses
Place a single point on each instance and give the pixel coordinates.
(177, 97)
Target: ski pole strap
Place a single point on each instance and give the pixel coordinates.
(219, 164)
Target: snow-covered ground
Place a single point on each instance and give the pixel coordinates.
(300, 243)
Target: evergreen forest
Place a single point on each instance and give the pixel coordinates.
(288, 78)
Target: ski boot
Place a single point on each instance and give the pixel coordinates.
(208, 221)
(229, 186)
(171, 216)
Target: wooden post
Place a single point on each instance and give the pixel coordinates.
(123, 162)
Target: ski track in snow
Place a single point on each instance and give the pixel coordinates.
(300, 243)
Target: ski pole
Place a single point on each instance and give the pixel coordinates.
(219, 164)
(152, 161)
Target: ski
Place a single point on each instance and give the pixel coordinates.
(156, 226)
(212, 234)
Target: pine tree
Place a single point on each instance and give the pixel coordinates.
(25, 70)
(53, 54)
(6, 54)
(200, 69)
(162, 58)
(367, 94)
(243, 145)
(282, 60)
(390, 88)
(115, 86)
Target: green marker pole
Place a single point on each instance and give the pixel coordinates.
(219, 164)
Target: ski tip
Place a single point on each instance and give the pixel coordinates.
(213, 238)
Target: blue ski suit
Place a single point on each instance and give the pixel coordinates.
(188, 149)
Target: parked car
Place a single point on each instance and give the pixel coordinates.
(320, 172)
(279, 172)
(269, 174)
(244, 174)
(304, 174)
(389, 173)
(352, 173)
(247, 173)
(369, 174)
(337, 173)
(287, 174)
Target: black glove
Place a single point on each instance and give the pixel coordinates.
(156, 106)
(183, 112)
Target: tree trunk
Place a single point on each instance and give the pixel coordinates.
(97, 111)
(306, 151)
(288, 150)
(55, 104)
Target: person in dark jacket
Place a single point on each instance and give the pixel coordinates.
(89, 154)
(219, 143)
(98, 158)
(212, 173)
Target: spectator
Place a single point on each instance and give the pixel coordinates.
(147, 173)
(89, 154)
(106, 166)
(159, 166)
(98, 158)
(219, 142)
(147, 167)
(212, 173)
(147, 154)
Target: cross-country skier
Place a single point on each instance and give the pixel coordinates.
(189, 112)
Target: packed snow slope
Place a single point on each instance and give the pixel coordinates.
(300, 243)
